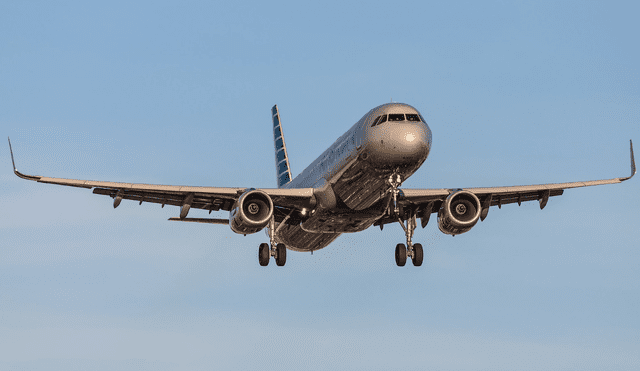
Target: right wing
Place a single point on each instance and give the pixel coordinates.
(423, 202)
(187, 197)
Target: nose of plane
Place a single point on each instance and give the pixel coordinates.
(398, 144)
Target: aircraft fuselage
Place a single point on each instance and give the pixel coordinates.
(352, 177)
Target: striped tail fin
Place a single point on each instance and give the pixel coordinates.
(283, 170)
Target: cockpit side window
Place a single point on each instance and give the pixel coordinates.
(422, 118)
(413, 117)
(375, 122)
(396, 117)
(380, 120)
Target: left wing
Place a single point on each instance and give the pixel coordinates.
(187, 197)
(423, 202)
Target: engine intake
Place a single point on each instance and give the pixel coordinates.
(251, 212)
(460, 211)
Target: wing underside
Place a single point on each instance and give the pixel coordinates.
(187, 197)
(423, 202)
(420, 202)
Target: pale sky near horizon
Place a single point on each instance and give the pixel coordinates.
(180, 93)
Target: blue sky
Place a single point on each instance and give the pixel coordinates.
(180, 93)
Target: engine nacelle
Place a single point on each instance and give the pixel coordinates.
(460, 211)
(251, 212)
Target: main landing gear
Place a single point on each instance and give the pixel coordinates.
(278, 251)
(265, 253)
(414, 251)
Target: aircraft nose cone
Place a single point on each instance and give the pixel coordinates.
(399, 144)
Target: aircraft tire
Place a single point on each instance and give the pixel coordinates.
(418, 255)
(401, 255)
(281, 254)
(264, 254)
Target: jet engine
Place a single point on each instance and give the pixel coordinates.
(251, 212)
(460, 211)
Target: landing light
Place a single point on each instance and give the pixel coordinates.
(410, 137)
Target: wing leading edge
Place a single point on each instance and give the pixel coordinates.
(427, 201)
(187, 197)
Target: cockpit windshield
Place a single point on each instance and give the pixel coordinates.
(412, 117)
(395, 117)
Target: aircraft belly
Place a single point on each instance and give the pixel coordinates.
(360, 186)
(341, 221)
(297, 239)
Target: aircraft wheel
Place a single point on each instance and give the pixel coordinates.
(418, 255)
(281, 254)
(401, 255)
(264, 254)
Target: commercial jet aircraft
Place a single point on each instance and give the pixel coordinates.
(353, 185)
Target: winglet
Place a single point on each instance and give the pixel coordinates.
(633, 163)
(11, 150)
(23, 176)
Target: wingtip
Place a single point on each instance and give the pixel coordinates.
(15, 171)
(11, 151)
(633, 162)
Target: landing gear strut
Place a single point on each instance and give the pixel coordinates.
(278, 251)
(414, 251)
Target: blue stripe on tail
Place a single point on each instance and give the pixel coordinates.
(283, 170)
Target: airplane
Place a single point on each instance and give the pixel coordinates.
(353, 185)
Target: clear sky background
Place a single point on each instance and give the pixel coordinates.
(180, 93)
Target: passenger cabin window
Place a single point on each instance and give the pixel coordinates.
(396, 117)
(413, 117)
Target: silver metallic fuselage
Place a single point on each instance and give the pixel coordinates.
(350, 179)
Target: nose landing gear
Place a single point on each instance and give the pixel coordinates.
(414, 251)
(278, 251)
